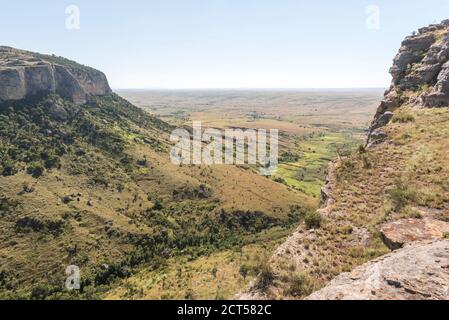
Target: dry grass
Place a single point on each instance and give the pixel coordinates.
(406, 177)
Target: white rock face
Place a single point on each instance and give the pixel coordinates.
(25, 74)
(416, 272)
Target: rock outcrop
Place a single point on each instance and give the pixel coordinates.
(416, 272)
(26, 75)
(396, 234)
(420, 74)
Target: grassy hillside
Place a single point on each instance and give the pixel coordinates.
(405, 177)
(93, 186)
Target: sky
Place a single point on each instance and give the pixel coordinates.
(223, 43)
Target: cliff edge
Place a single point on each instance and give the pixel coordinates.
(25, 75)
(420, 74)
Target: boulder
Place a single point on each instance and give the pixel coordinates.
(439, 96)
(415, 272)
(398, 233)
(382, 121)
(424, 74)
(375, 137)
(58, 112)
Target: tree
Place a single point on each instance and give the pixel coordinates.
(244, 270)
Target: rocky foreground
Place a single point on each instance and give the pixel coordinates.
(415, 272)
(25, 75)
(419, 269)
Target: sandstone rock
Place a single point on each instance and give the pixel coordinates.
(411, 52)
(383, 120)
(401, 63)
(25, 75)
(398, 233)
(416, 272)
(420, 75)
(28, 188)
(424, 74)
(439, 96)
(418, 43)
(326, 190)
(375, 137)
(59, 112)
(391, 101)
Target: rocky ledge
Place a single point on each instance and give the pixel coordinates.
(398, 233)
(26, 75)
(420, 74)
(416, 272)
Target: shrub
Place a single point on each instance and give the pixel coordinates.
(412, 213)
(157, 205)
(279, 180)
(7, 205)
(366, 162)
(300, 285)
(403, 117)
(36, 170)
(401, 195)
(8, 169)
(313, 220)
(266, 276)
(244, 270)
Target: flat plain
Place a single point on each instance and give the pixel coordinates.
(314, 125)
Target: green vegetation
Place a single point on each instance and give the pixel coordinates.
(300, 285)
(265, 277)
(313, 220)
(95, 188)
(403, 117)
(308, 173)
(401, 195)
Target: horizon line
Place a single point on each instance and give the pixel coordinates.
(248, 88)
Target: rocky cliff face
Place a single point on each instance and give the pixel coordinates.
(25, 75)
(420, 76)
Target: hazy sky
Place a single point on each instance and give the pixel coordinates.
(224, 43)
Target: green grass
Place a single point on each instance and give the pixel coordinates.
(217, 275)
(309, 172)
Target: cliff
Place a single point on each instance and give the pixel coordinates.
(420, 74)
(26, 75)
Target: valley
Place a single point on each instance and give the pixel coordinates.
(312, 134)
(87, 184)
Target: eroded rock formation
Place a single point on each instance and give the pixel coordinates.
(420, 74)
(25, 75)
